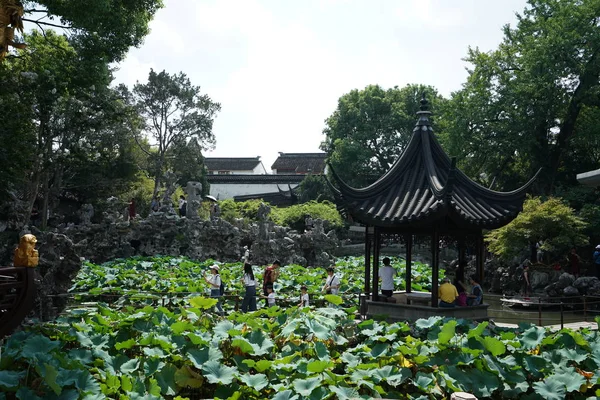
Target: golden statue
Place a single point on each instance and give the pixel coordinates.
(11, 15)
(26, 255)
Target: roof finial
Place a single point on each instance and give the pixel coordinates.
(424, 103)
(423, 123)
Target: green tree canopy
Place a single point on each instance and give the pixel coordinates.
(552, 222)
(314, 187)
(370, 128)
(174, 113)
(523, 104)
(99, 29)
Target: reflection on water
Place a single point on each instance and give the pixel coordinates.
(549, 316)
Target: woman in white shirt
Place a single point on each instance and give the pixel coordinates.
(249, 283)
(332, 283)
(215, 286)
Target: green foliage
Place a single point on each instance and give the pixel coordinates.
(314, 187)
(370, 128)
(550, 221)
(144, 280)
(105, 29)
(523, 104)
(294, 216)
(246, 210)
(177, 117)
(181, 350)
(590, 213)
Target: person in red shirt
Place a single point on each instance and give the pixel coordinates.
(132, 213)
(270, 276)
(574, 259)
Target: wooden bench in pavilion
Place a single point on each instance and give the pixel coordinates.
(425, 194)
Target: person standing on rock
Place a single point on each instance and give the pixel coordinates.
(574, 260)
(526, 280)
(596, 258)
(182, 206)
(132, 212)
(270, 277)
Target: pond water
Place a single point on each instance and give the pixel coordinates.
(549, 316)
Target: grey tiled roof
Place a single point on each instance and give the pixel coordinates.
(424, 188)
(300, 163)
(231, 163)
(255, 178)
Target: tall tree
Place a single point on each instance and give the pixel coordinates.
(99, 29)
(175, 112)
(67, 115)
(370, 128)
(521, 105)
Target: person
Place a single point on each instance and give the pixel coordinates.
(386, 275)
(132, 209)
(270, 277)
(526, 280)
(182, 206)
(596, 258)
(332, 283)
(215, 286)
(304, 301)
(246, 258)
(447, 294)
(270, 297)
(461, 300)
(154, 205)
(475, 298)
(459, 279)
(35, 216)
(249, 283)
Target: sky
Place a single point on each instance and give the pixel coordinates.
(278, 67)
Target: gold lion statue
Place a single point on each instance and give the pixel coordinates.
(26, 255)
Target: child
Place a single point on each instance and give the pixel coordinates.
(270, 296)
(303, 297)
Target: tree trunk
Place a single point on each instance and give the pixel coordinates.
(588, 81)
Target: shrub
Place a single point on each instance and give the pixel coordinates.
(294, 216)
(552, 222)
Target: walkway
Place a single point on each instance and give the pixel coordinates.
(571, 325)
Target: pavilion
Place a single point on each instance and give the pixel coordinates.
(424, 193)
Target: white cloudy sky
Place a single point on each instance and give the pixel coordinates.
(278, 67)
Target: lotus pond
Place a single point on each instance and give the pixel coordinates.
(140, 346)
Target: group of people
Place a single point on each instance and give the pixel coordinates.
(451, 295)
(270, 276)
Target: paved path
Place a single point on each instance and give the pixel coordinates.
(570, 325)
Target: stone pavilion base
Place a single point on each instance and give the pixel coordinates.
(393, 312)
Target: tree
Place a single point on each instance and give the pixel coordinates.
(174, 112)
(370, 128)
(99, 29)
(314, 187)
(551, 222)
(522, 104)
(73, 127)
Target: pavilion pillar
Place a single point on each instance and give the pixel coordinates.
(479, 257)
(376, 246)
(408, 239)
(435, 255)
(462, 259)
(368, 242)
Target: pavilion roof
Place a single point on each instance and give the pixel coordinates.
(424, 188)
